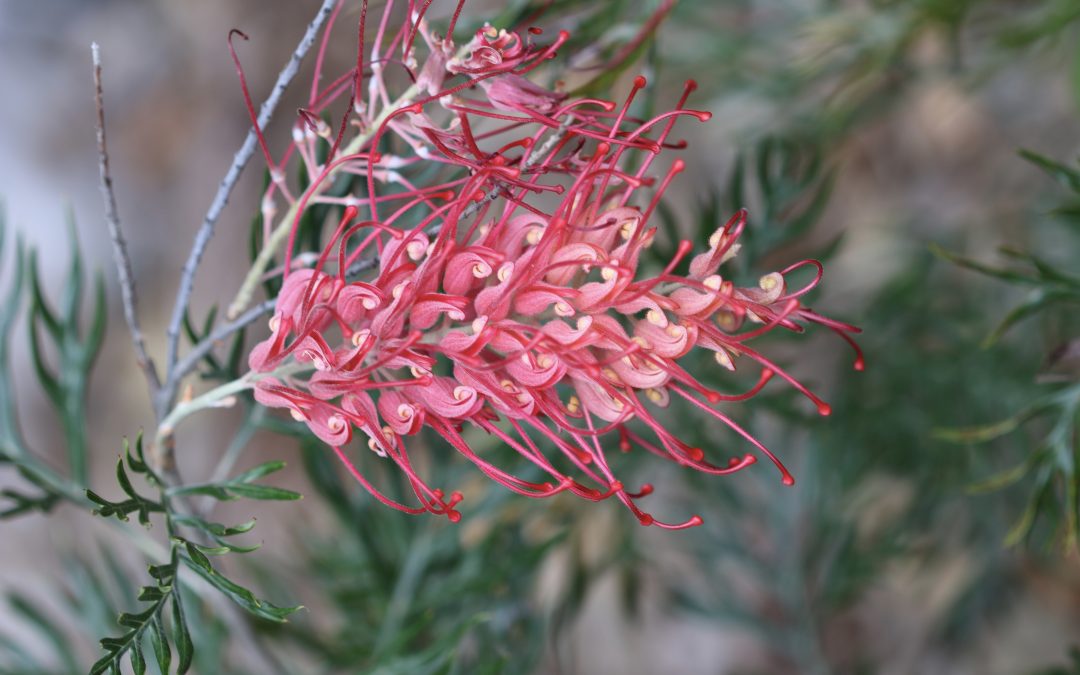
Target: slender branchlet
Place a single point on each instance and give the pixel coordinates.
(116, 234)
(206, 231)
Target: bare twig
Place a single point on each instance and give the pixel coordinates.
(207, 344)
(119, 244)
(206, 231)
(544, 150)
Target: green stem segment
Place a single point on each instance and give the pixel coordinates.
(217, 398)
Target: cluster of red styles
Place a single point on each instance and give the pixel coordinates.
(508, 296)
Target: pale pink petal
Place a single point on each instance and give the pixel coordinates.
(537, 298)
(400, 414)
(513, 92)
(639, 372)
(536, 371)
(458, 342)
(577, 337)
(356, 300)
(563, 269)
(445, 397)
(671, 341)
(329, 425)
(467, 268)
(429, 307)
(598, 400)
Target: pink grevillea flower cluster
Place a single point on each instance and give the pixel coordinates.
(512, 296)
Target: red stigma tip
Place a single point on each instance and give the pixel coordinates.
(477, 196)
(824, 409)
(860, 364)
(350, 213)
(696, 454)
(678, 166)
(691, 85)
(788, 479)
(704, 116)
(646, 519)
(695, 521)
(454, 516)
(640, 82)
(750, 459)
(535, 31)
(712, 397)
(608, 106)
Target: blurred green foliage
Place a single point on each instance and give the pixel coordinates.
(1051, 463)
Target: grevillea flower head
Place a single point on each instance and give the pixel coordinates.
(511, 297)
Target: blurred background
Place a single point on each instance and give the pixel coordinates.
(862, 132)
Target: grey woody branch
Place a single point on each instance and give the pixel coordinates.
(221, 199)
(116, 234)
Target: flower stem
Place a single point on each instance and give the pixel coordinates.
(217, 398)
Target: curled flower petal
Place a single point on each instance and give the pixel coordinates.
(536, 371)
(671, 341)
(429, 307)
(467, 268)
(599, 400)
(444, 397)
(400, 414)
(356, 300)
(513, 92)
(329, 425)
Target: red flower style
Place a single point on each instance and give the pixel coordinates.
(511, 296)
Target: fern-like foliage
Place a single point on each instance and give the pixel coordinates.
(162, 623)
(191, 541)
